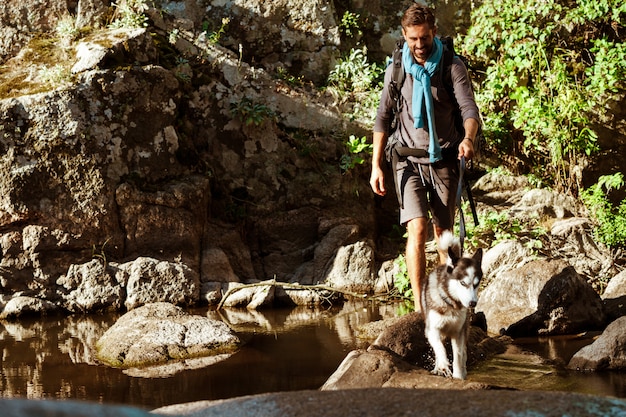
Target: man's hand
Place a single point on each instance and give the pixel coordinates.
(377, 181)
(466, 149)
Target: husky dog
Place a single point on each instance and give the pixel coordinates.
(447, 296)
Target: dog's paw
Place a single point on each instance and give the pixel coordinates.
(445, 372)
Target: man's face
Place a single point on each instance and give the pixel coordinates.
(420, 41)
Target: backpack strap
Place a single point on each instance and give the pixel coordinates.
(446, 77)
(397, 79)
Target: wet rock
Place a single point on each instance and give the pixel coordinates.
(608, 352)
(20, 306)
(402, 357)
(160, 332)
(545, 297)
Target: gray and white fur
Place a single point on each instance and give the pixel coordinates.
(447, 295)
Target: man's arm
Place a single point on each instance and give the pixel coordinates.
(466, 147)
(377, 179)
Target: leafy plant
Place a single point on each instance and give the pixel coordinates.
(354, 73)
(356, 147)
(66, 28)
(350, 24)
(611, 220)
(251, 113)
(358, 82)
(129, 14)
(214, 37)
(542, 80)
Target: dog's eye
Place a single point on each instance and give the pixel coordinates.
(465, 284)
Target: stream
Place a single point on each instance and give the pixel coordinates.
(287, 349)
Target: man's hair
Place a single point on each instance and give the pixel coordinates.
(417, 15)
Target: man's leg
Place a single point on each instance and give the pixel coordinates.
(417, 233)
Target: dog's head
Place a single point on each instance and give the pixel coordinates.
(465, 274)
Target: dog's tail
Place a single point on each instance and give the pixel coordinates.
(448, 241)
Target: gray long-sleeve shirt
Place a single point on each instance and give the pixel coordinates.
(449, 136)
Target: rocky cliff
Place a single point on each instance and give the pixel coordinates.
(156, 143)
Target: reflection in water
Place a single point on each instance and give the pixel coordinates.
(287, 350)
(290, 349)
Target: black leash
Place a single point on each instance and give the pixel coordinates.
(459, 191)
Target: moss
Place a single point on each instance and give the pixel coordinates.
(42, 66)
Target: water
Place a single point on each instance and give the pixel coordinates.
(287, 350)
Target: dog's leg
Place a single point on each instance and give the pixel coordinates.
(459, 354)
(442, 366)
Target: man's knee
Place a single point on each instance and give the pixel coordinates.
(417, 232)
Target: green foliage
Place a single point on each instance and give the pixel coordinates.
(401, 281)
(66, 28)
(547, 65)
(497, 226)
(129, 14)
(214, 37)
(350, 24)
(357, 81)
(611, 220)
(354, 73)
(356, 148)
(251, 113)
(402, 287)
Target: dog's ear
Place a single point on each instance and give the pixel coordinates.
(453, 256)
(478, 256)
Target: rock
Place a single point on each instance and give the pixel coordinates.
(160, 332)
(608, 352)
(351, 268)
(616, 287)
(504, 256)
(113, 47)
(34, 408)
(499, 188)
(405, 337)
(396, 402)
(91, 13)
(150, 280)
(401, 357)
(541, 203)
(21, 306)
(614, 297)
(92, 287)
(542, 297)
(573, 240)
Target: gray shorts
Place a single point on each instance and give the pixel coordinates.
(429, 188)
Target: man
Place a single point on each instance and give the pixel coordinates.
(427, 184)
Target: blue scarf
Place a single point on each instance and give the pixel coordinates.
(422, 94)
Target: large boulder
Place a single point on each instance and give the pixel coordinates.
(150, 280)
(402, 357)
(608, 352)
(403, 402)
(161, 332)
(546, 297)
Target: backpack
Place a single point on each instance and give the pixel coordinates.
(397, 79)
